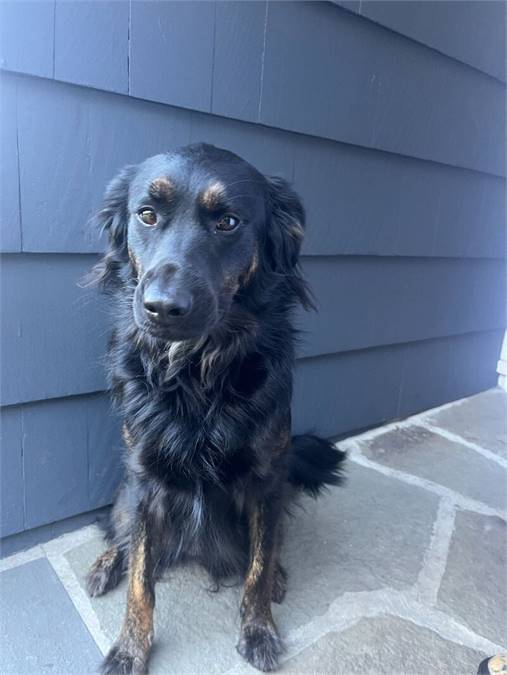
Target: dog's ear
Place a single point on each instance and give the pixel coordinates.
(285, 227)
(285, 232)
(113, 215)
(112, 218)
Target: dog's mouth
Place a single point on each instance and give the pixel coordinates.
(173, 333)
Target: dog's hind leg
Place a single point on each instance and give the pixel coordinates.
(106, 572)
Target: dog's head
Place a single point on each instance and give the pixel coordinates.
(192, 232)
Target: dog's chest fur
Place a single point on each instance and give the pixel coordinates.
(200, 440)
(188, 429)
(194, 450)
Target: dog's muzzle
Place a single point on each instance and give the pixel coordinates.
(174, 304)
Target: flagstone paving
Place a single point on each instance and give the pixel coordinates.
(402, 571)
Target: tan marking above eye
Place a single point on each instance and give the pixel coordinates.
(147, 216)
(212, 197)
(161, 188)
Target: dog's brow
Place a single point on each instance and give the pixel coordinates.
(213, 196)
(161, 188)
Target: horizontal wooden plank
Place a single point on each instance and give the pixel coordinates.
(12, 489)
(77, 142)
(330, 73)
(472, 31)
(237, 59)
(271, 151)
(337, 393)
(171, 52)
(222, 44)
(362, 84)
(105, 450)
(53, 333)
(365, 302)
(55, 461)
(91, 43)
(359, 201)
(71, 458)
(342, 393)
(10, 225)
(365, 202)
(56, 175)
(65, 436)
(438, 371)
(27, 36)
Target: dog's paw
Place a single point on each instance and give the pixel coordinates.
(261, 646)
(124, 661)
(104, 574)
(279, 585)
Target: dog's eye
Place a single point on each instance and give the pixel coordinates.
(227, 223)
(147, 216)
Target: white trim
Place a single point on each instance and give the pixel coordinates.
(501, 367)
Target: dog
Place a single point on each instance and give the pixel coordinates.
(203, 274)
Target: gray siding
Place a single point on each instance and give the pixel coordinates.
(390, 123)
(472, 32)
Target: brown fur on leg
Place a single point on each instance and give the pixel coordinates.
(259, 642)
(130, 652)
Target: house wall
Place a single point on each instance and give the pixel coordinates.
(389, 118)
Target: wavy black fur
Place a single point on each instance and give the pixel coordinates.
(316, 463)
(207, 420)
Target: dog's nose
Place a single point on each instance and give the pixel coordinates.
(166, 306)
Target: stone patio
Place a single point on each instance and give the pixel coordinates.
(402, 571)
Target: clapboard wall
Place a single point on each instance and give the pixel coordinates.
(388, 117)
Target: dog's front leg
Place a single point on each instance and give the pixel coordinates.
(259, 642)
(130, 652)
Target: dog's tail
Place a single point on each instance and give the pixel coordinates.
(315, 464)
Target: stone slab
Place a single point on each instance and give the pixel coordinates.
(481, 419)
(381, 645)
(195, 629)
(41, 630)
(474, 586)
(368, 535)
(421, 452)
(346, 541)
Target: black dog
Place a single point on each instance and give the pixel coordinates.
(203, 265)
